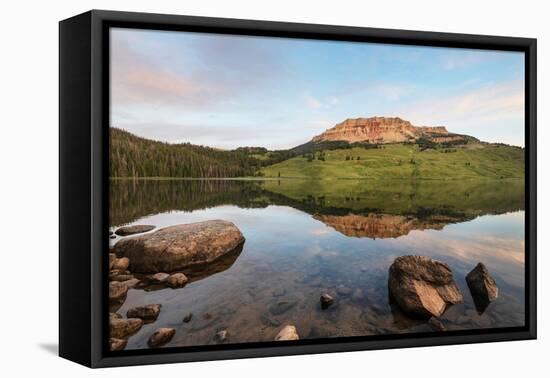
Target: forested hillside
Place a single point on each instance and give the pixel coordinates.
(132, 156)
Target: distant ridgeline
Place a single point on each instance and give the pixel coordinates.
(376, 147)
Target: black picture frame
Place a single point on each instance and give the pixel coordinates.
(83, 182)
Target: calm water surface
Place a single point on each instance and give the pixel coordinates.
(305, 239)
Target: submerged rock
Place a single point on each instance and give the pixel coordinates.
(288, 332)
(161, 336)
(326, 300)
(436, 324)
(357, 295)
(281, 307)
(279, 292)
(117, 291)
(146, 313)
(422, 287)
(221, 336)
(268, 320)
(343, 290)
(124, 328)
(159, 278)
(482, 287)
(177, 247)
(117, 344)
(188, 318)
(177, 280)
(136, 229)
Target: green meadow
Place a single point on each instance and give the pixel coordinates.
(404, 161)
(471, 197)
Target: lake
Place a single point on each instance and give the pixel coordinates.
(306, 238)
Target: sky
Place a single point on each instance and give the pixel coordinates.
(229, 91)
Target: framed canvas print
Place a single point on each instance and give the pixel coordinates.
(234, 188)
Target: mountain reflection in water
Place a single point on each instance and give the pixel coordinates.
(305, 238)
(401, 205)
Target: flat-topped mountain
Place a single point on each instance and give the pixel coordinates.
(381, 226)
(385, 130)
(377, 147)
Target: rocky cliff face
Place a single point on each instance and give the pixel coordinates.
(380, 130)
(381, 226)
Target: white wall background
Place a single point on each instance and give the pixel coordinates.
(29, 188)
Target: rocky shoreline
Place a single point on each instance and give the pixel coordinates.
(173, 248)
(420, 287)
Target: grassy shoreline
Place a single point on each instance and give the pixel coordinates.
(374, 179)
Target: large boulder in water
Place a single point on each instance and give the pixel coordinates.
(177, 247)
(422, 287)
(482, 287)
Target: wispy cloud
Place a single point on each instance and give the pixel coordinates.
(312, 102)
(136, 79)
(391, 92)
(487, 104)
(228, 91)
(140, 78)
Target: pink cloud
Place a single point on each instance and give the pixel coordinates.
(139, 81)
(490, 103)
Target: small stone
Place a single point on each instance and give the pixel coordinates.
(113, 273)
(117, 291)
(124, 328)
(176, 280)
(344, 291)
(161, 336)
(117, 344)
(281, 307)
(221, 336)
(136, 229)
(121, 264)
(159, 277)
(188, 318)
(279, 292)
(326, 300)
(270, 321)
(131, 283)
(122, 277)
(112, 259)
(147, 313)
(287, 333)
